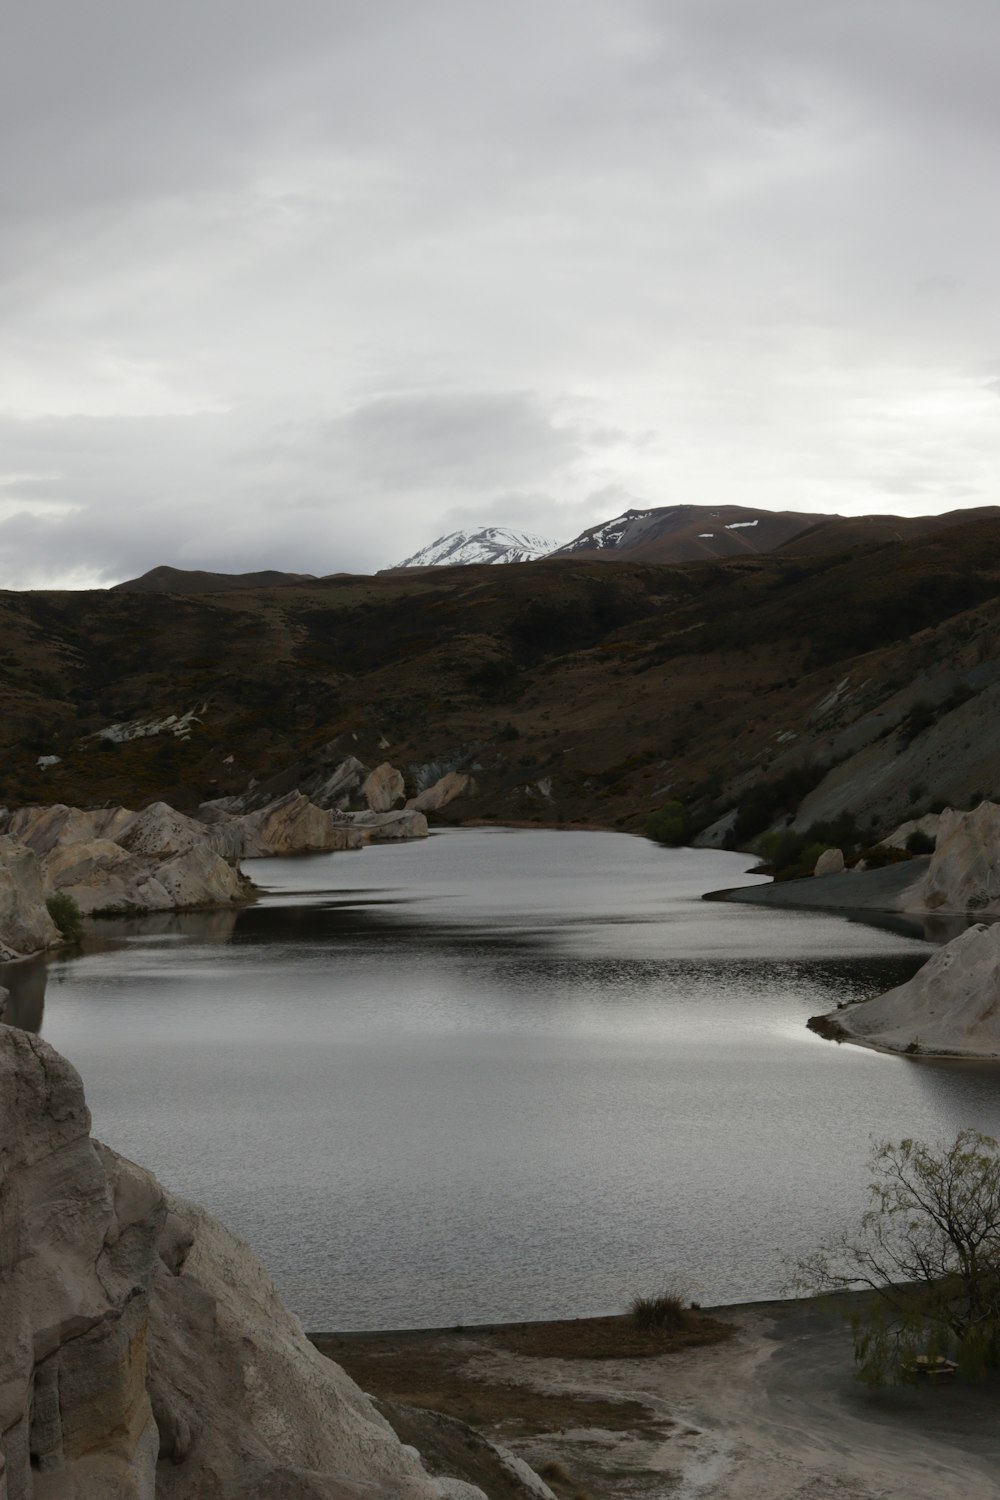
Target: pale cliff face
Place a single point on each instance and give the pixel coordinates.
(25, 925)
(964, 873)
(77, 1258)
(951, 1007)
(145, 1351)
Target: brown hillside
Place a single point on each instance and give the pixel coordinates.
(166, 580)
(573, 692)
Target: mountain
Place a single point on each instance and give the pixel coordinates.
(165, 580)
(688, 533)
(488, 544)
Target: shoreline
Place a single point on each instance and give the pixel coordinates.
(863, 891)
(769, 1412)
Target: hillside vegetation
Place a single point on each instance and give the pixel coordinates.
(864, 680)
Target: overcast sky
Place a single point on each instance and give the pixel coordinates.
(307, 284)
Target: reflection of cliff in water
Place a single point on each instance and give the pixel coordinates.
(25, 983)
(25, 980)
(193, 926)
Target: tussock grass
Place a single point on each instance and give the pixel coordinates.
(668, 1312)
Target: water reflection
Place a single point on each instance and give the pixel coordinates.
(25, 983)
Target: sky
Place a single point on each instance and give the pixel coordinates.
(306, 285)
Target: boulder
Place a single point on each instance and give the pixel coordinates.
(25, 925)
(145, 1351)
(949, 1008)
(830, 862)
(444, 790)
(383, 788)
(964, 872)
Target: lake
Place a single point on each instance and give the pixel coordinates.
(501, 1074)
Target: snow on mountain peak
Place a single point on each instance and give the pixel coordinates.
(485, 544)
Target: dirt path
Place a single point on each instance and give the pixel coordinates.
(773, 1413)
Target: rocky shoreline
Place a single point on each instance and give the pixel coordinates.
(948, 1009)
(113, 861)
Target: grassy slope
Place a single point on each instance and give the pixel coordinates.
(615, 684)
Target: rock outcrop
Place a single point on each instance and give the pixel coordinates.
(25, 925)
(42, 828)
(449, 786)
(950, 1008)
(145, 1352)
(77, 1260)
(290, 825)
(964, 872)
(830, 862)
(384, 788)
(117, 860)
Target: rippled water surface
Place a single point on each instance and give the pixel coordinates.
(501, 1074)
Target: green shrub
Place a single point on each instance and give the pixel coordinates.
(669, 824)
(66, 915)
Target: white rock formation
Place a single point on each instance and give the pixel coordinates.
(964, 872)
(42, 828)
(830, 862)
(144, 1350)
(161, 830)
(25, 925)
(383, 788)
(77, 1258)
(290, 825)
(444, 790)
(950, 1008)
(114, 859)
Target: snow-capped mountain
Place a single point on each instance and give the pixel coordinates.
(611, 534)
(487, 544)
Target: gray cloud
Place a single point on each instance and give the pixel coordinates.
(280, 282)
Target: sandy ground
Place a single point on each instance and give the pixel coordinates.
(772, 1413)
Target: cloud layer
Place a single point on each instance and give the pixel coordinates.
(305, 285)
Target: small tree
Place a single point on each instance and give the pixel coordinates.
(929, 1247)
(66, 915)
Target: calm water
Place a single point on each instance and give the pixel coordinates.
(501, 1075)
